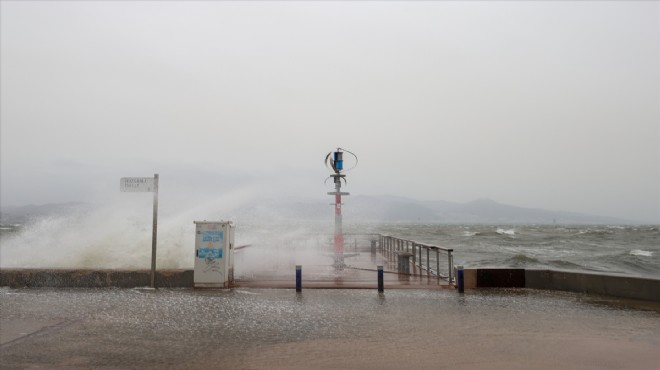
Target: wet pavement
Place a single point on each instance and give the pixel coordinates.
(340, 328)
(359, 272)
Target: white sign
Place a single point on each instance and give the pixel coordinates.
(138, 184)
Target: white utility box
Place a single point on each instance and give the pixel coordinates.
(214, 254)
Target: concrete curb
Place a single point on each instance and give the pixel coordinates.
(615, 285)
(76, 278)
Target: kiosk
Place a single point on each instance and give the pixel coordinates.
(214, 254)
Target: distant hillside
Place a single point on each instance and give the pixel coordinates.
(359, 208)
(25, 214)
(363, 208)
(478, 211)
(489, 211)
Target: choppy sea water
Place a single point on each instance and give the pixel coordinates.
(627, 249)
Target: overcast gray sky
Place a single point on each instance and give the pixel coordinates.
(536, 104)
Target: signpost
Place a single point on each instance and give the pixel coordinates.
(145, 184)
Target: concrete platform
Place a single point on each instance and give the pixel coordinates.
(72, 328)
(360, 272)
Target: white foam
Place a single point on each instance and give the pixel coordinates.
(640, 252)
(506, 232)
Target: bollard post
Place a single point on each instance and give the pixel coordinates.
(381, 288)
(298, 278)
(459, 279)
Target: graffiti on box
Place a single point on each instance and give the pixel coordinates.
(211, 258)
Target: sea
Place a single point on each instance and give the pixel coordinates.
(623, 249)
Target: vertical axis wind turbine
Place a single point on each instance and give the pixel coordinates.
(335, 160)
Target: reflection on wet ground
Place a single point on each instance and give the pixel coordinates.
(263, 328)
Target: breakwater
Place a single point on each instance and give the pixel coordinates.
(615, 285)
(83, 278)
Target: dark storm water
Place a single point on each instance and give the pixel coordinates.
(631, 250)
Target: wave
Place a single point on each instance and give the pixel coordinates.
(521, 260)
(497, 232)
(640, 252)
(562, 264)
(505, 232)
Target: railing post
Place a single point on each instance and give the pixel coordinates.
(450, 260)
(428, 261)
(437, 262)
(414, 255)
(389, 242)
(387, 246)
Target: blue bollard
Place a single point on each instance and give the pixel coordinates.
(459, 279)
(298, 278)
(381, 288)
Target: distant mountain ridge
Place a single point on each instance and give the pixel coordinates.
(361, 208)
(24, 214)
(479, 211)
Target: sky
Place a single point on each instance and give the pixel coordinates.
(536, 104)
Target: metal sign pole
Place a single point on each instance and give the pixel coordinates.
(335, 160)
(155, 233)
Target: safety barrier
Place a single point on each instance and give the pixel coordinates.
(393, 248)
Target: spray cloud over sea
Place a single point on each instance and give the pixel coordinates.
(116, 234)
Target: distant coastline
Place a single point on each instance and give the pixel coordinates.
(359, 209)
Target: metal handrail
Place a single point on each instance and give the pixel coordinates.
(390, 245)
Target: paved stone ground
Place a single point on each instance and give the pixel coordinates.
(109, 328)
(420, 321)
(360, 273)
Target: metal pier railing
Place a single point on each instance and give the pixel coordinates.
(424, 256)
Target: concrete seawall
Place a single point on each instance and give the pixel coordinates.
(76, 278)
(615, 285)
(623, 286)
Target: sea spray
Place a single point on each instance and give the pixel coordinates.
(114, 235)
(117, 235)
